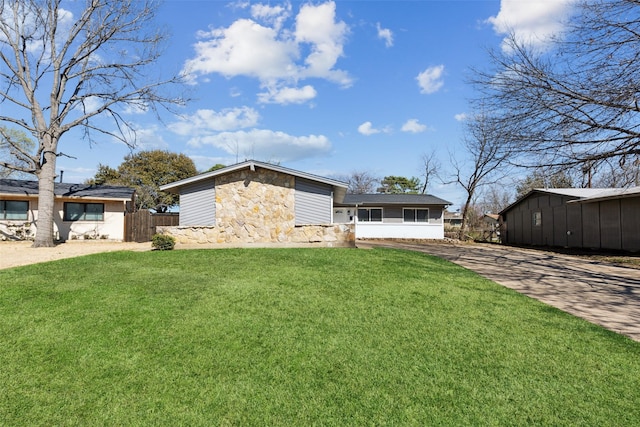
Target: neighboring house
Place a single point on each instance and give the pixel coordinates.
(576, 218)
(255, 202)
(452, 219)
(393, 216)
(81, 211)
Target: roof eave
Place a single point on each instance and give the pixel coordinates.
(338, 186)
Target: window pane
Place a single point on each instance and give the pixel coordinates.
(376, 215)
(363, 214)
(94, 212)
(537, 219)
(422, 215)
(409, 215)
(73, 211)
(15, 209)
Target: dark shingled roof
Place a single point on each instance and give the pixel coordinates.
(30, 188)
(392, 199)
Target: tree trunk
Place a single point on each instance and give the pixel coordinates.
(46, 201)
(463, 223)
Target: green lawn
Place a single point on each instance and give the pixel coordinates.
(297, 337)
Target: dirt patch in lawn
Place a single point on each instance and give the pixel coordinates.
(14, 254)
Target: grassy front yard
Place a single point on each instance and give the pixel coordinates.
(297, 337)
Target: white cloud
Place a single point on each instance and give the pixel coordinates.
(367, 129)
(461, 117)
(266, 144)
(149, 138)
(206, 121)
(287, 95)
(272, 52)
(275, 15)
(533, 22)
(90, 104)
(413, 126)
(223, 130)
(244, 48)
(317, 26)
(385, 34)
(430, 80)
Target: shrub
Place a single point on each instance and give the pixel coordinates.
(162, 242)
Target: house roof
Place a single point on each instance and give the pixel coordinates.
(452, 215)
(610, 194)
(339, 187)
(582, 195)
(20, 187)
(393, 199)
(573, 192)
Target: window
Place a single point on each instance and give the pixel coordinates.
(370, 215)
(14, 209)
(415, 215)
(83, 211)
(537, 219)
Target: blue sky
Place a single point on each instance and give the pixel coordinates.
(324, 87)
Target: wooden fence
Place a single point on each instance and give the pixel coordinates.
(140, 226)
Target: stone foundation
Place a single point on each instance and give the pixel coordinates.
(320, 235)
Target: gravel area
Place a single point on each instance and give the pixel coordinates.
(13, 254)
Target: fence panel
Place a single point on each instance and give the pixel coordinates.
(140, 226)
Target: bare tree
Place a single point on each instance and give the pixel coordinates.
(543, 178)
(361, 182)
(495, 198)
(430, 169)
(487, 162)
(576, 103)
(66, 68)
(617, 173)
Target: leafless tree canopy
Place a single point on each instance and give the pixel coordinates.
(577, 103)
(430, 170)
(362, 182)
(495, 198)
(79, 67)
(488, 158)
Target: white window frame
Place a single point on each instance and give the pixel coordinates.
(415, 215)
(369, 214)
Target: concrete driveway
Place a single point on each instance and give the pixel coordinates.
(599, 292)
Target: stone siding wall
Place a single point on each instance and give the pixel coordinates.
(255, 206)
(321, 235)
(258, 207)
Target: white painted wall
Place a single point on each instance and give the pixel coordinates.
(111, 228)
(368, 230)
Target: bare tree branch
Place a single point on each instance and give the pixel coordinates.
(56, 62)
(577, 103)
(487, 161)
